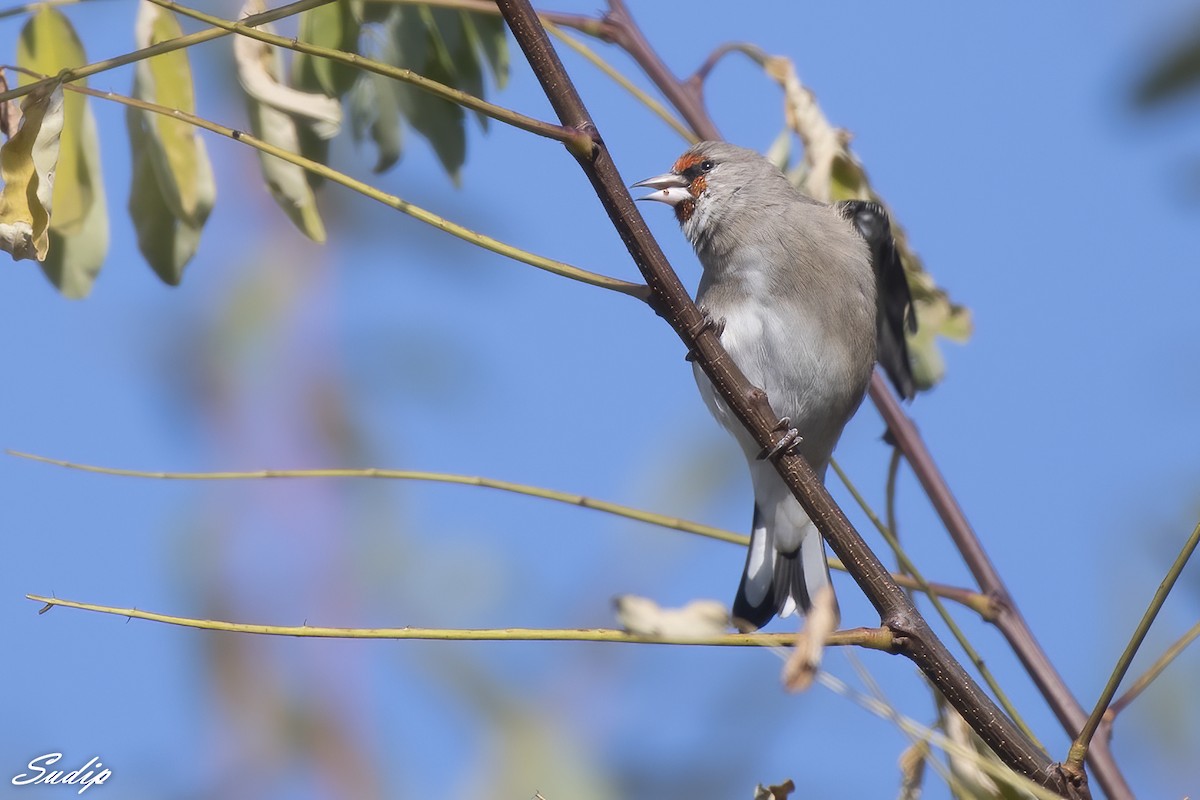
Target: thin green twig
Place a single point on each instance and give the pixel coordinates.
(638, 93)
(871, 638)
(907, 565)
(549, 130)
(1155, 670)
(26, 8)
(569, 498)
(560, 268)
(1079, 747)
(87, 70)
(972, 600)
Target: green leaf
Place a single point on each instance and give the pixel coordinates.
(464, 54)
(445, 45)
(273, 111)
(27, 166)
(333, 26)
(375, 110)
(780, 151)
(438, 120)
(180, 159)
(1177, 73)
(173, 189)
(167, 241)
(490, 34)
(76, 256)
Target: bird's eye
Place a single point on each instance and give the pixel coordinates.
(705, 166)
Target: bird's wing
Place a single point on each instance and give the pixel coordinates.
(895, 313)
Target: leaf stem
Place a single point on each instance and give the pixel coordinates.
(560, 268)
(549, 130)
(870, 638)
(972, 600)
(168, 46)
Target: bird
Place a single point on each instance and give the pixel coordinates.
(805, 297)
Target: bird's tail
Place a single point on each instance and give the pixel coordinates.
(775, 582)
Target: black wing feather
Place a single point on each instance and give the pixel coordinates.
(895, 314)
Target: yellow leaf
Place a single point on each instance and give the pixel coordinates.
(27, 165)
(48, 45)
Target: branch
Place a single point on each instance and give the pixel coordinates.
(1010, 622)
(178, 43)
(1079, 747)
(906, 565)
(915, 639)
(688, 100)
(978, 603)
(1148, 677)
(457, 96)
(870, 638)
(403, 206)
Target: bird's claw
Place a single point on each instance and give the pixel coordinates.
(791, 437)
(707, 322)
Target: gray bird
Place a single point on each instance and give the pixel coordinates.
(805, 296)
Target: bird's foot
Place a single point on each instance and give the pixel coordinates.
(707, 322)
(791, 437)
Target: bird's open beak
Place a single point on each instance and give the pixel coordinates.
(668, 188)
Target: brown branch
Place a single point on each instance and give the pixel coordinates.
(1009, 620)
(914, 638)
(688, 98)
(689, 101)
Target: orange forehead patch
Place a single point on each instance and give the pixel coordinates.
(697, 185)
(685, 162)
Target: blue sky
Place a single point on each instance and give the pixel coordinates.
(1003, 141)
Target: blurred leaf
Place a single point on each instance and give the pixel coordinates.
(48, 45)
(260, 71)
(698, 619)
(449, 29)
(912, 771)
(75, 258)
(78, 234)
(831, 172)
(438, 120)
(445, 45)
(375, 110)
(173, 189)
(27, 166)
(166, 241)
(490, 34)
(780, 151)
(1176, 73)
(10, 111)
(779, 791)
(333, 26)
(180, 158)
(273, 109)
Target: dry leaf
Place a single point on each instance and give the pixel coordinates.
(780, 791)
(802, 666)
(27, 164)
(699, 619)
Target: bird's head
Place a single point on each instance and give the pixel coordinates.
(711, 182)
